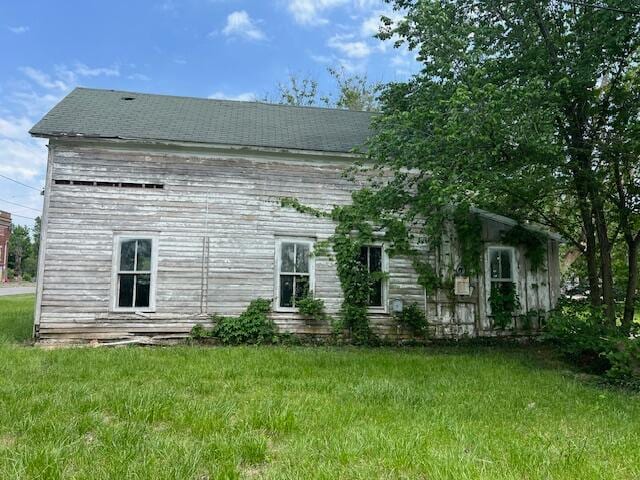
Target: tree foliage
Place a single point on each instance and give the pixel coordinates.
(350, 92)
(525, 108)
(19, 248)
(24, 245)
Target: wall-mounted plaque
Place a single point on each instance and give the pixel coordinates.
(462, 286)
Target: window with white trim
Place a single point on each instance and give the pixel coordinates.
(501, 263)
(372, 257)
(295, 269)
(134, 275)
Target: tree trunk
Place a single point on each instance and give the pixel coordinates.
(570, 256)
(632, 285)
(590, 252)
(606, 271)
(18, 263)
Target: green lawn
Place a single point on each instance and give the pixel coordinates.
(16, 318)
(188, 412)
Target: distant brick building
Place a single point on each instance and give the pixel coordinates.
(5, 231)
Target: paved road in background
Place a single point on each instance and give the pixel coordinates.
(16, 290)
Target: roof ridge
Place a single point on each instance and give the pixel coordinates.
(190, 97)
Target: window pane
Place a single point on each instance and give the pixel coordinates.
(143, 283)
(302, 287)
(364, 256)
(144, 255)
(287, 257)
(506, 263)
(375, 259)
(494, 262)
(125, 291)
(375, 299)
(286, 290)
(302, 258)
(502, 288)
(127, 255)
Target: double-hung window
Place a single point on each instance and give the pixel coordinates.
(295, 269)
(372, 257)
(501, 269)
(134, 273)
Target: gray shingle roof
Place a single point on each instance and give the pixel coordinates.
(114, 114)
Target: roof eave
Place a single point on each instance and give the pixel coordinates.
(511, 222)
(169, 142)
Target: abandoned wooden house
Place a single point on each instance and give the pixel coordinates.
(160, 211)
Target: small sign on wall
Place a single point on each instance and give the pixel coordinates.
(461, 286)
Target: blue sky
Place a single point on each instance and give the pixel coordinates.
(237, 49)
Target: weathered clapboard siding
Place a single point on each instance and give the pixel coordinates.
(216, 219)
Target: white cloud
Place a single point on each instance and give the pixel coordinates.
(84, 71)
(44, 80)
(399, 61)
(19, 29)
(309, 12)
(243, 97)
(20, 155)
(367, 4)
(26, 161)
(33, 103)
(370, 26)
(71, 75)
(65, 77)
(22, 158)
(321, 58)
(352, 67)
(240, 24)
(349, 47)
(15, 128)
(139, 76)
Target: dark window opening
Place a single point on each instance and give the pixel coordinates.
(89, 183)
(371, 257)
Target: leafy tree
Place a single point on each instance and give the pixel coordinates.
(301, 92)
(19, 248)
(354, 92)
(527, 108)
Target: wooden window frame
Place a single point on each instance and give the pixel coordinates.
(384, 259)
(487, 271)
(310, 242)
(115, 272)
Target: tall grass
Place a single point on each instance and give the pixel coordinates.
(16, 318)
(267, 412)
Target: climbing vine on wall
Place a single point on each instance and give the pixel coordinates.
(365, 221)
(504, 302)
(360, 224)
(469, 233)
(351, 233)
(533, 243)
